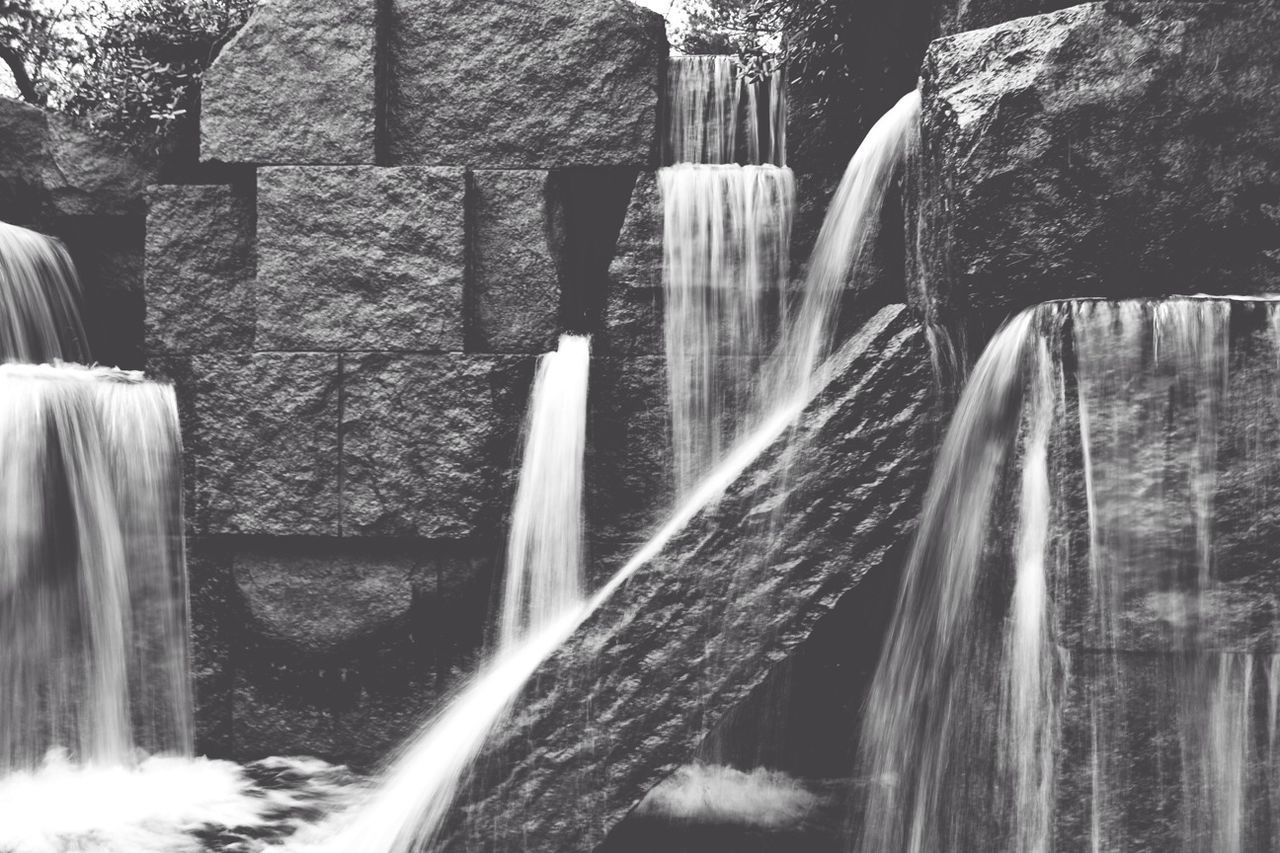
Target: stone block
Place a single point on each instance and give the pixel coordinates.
(262, 439)
(296, 86)
(428, 441)
(516, 245)
(632, 321)
(360, 258)
(528, 85)
(199, 269)
(1110, 149)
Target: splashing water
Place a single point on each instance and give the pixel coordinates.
(1086, 676)
(544, 550)
(39, 299)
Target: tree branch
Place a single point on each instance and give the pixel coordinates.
(26, 88)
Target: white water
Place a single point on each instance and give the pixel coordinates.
(543, 577)
(92, 582)
(1107, 608)
(714, 114)
(39, 299)
(726, 243)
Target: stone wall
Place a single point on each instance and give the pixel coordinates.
(424, 196)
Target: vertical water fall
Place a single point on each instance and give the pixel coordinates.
(1074, 657)
(543, 578)
(726, 255)
(93, 639)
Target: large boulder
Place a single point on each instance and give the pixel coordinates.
(295, 86)
(527, 85)
(631, 695)
(1110, 149)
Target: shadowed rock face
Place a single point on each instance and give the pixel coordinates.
(631, 696)
(1110, 149)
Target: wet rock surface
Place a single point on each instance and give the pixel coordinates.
(516, 243)
(576, 85)
(629, 697)
(295, 86)
(1113, 149)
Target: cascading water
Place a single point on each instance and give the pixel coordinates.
(726, 257)
(93, 657)
(726, 238)
(1074, 657)
(545, 548)
(716, 114)
(39, 299)
(411, 800)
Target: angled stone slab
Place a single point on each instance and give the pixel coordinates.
(1110, 149)
(296, 85)
(199, 269)
(630, 696)
(516, 242)
(360, 258)
(522, 85)
(428, 441)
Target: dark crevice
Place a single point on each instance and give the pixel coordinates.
(590, 206)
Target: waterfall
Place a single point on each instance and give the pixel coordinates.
(717, 114)
(1072, 661)
(410, 801)
(39, 299)
(726, 244)
(93, 642)
(726, 253)
(544, 549)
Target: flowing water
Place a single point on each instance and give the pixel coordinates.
(39, 299)
(1081, 653)
(717, 114)
(543, 578)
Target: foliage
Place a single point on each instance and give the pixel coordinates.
(131, 69)
(43, 43)
(141, 78)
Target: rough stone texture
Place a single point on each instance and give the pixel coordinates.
(295, 86)
(958, 16)
(55, 167)
(632, 315)
(528, 84)
(211, 595)
(629, 697)
(515, 243)
(360, 258)
(1109, 149)
(427, 442)
(319, 603)
(199, 269)
(261, 433)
